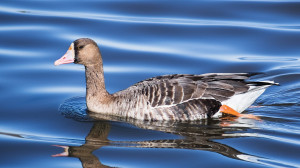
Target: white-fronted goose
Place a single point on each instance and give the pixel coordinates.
(169, 97)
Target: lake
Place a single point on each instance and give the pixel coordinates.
(43, 119)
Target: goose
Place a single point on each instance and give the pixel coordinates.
(179, 97)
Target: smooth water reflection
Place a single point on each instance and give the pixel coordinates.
(200, 138)
(97, 138)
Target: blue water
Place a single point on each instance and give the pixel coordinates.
(43, 105)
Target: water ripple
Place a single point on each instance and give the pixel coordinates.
(267, 59)
(267, 162)
(19, 52)
(154, 20)
(31, 137)
(24, 27)
(55, 90)
(107, 68)
(172, 50)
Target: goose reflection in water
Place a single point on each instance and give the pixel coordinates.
(198, 135)
(96, 139)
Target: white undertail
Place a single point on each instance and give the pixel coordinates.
(241, 102)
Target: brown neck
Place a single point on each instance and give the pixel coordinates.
(95, 86)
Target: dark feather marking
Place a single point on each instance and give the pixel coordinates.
(219, 92)
(169, 93)
(183, 109)
(163, 93)
(146, 116)
(222, 77)
(156, 96)
(192, 109)
(204, 77)
(253, 83)
(146, 91)
(220, 84)
(238, 86)
(195, 78)
(188, 110)
(182, 113)
(220, 98)
(188, 90)
(151, 93)
(214, 107)
(151, 114)
(200, 90)
(207, 96)
(202, 106)
(240, 76)
(177, 94)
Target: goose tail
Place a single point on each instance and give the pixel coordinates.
(240, 102)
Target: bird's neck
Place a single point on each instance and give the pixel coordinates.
(95, 86)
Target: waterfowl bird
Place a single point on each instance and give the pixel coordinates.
(179, 97)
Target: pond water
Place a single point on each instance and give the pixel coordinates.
(43, 106)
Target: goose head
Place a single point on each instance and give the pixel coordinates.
(82, 51)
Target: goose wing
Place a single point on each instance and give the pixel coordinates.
(180, 88)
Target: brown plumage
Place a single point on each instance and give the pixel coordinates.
(168, 97)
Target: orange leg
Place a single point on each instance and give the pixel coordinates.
(228, 110)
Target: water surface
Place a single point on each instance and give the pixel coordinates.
(43, 105)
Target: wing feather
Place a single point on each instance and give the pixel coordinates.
(179, 88)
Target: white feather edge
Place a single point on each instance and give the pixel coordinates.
(241, 102)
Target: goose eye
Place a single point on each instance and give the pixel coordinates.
(80, 47)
